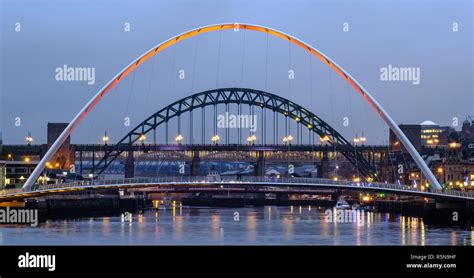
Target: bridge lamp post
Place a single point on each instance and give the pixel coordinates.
(29, 139)
(356, 141)
(142, 138)
(324, 139)
(288, 139)
(42, 179)
(215, 139)
(251, 139)
(179, 138)
(105, 138)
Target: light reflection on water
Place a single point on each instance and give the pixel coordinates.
(217, 226)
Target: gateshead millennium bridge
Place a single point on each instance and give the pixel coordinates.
(260, 101)
(238, 26)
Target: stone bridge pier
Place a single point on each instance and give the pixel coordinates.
(130, 165)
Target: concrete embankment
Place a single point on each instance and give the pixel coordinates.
(454, 214)
(62, 207)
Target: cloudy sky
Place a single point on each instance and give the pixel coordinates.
(364, 37)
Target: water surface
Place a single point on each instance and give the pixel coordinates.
(238, 226)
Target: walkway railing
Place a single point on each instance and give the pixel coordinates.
(268, 181)
(252, 179)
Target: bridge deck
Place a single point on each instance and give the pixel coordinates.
(43, 190)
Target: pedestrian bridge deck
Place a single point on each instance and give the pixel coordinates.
(250, 181)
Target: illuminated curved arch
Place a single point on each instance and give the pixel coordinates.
(245, 96)
(236, 26)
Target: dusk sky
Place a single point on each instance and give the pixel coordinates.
(435, 37)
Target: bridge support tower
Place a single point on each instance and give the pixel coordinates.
(130, 165)
(322, 166)
(260, 165)
(195, 164)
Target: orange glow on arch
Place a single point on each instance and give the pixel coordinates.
(226, 26)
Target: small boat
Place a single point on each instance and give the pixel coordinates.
(165, 204)
(342, 204)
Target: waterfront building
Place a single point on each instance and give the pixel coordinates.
(14, 173)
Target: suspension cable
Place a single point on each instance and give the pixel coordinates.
(218, 59)
(193, 78)
(243, 61)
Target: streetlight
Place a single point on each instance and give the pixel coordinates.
(323, 139)
(179, 138)
(360, 139)
(105, 138)
(29, 139)
(454, 145)
(142, 138)
(287, 139)
(357, 140)
(251, 139)
(215, 139)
